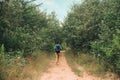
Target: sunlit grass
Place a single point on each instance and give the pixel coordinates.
(87, 61)
(72, 62)
(19, 68)
(37, 64)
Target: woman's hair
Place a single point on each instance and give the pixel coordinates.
(56, 42)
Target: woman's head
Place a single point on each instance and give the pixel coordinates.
(56, 42)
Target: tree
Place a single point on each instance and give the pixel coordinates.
(93, 26)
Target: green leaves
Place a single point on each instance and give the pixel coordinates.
(2, 52)
(93, 26)
(82, 22)
(24, 27)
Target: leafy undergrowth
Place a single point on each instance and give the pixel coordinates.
(11, 67)
(86, 62)
(19, 68)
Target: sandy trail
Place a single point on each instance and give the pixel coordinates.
(62, 71)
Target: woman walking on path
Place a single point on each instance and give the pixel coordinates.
(57, 49)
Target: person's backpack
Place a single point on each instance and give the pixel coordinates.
(57, 47)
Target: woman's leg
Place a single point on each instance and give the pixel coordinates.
(57, 57)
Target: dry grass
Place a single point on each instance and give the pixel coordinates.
(90, 64)
(72, 62)
(38, 64)
(33, 67)
(84, 62)
(11, 68)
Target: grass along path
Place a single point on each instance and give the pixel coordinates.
(86, 67)
(62, 71)
(36, 66)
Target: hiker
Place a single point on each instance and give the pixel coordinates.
(57, 49)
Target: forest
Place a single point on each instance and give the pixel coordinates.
(91, 27)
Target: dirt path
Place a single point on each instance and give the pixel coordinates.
(60, 71)
(63, 72)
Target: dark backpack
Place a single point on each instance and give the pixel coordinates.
(57, 48)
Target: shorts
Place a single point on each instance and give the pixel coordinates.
(57, 51)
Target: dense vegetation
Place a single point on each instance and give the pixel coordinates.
(94, 27)
(24, 28)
